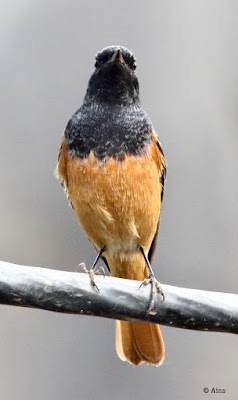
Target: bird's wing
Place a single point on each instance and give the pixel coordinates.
(162, 181)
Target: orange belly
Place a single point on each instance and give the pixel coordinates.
(118, 206)
(116, 203)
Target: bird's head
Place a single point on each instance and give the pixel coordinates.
(114, 80)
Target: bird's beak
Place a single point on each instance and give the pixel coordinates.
(117, 57)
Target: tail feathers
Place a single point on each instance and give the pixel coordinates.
(139, 342)
(136, 342)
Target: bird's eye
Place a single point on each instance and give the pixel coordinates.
(133, 66)
(130, 60)
(100, 60)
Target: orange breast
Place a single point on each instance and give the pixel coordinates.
(117, 203)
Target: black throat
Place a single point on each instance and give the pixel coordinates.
(113, 84)
(111, 122)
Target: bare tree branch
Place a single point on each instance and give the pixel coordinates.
(72, 292)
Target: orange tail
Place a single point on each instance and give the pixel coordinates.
(137, 342)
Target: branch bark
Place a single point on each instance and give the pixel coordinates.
(72, 292)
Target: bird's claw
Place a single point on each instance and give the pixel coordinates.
(100, 271)
(83, 267)
(155, 287)
(92, 273)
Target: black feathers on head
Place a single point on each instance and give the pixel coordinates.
(111, 122)
(105, 54)
(114, 80)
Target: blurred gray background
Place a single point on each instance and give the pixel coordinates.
(187, 66)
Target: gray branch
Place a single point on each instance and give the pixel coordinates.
(72, 292)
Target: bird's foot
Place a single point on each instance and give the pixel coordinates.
(83, 267)
(155, 287)
(92, 272)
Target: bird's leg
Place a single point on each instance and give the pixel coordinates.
(155, 285)
(93, 270)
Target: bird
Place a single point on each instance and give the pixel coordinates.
(112, 168)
